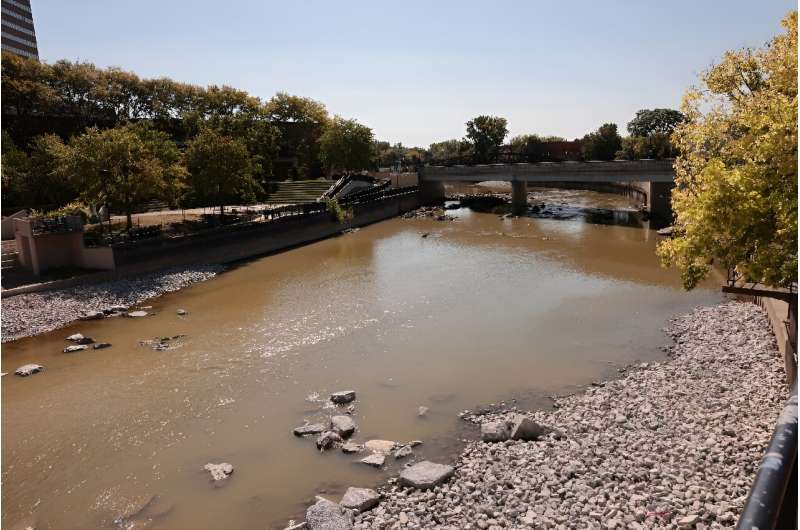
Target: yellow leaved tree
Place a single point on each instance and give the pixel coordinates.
(735, 199)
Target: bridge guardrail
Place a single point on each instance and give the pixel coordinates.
(772, 502)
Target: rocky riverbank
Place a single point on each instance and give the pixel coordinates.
(30, 314)
(672, 444)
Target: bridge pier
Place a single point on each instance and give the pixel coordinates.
(519, 197)
(430, 192)
(659, 203)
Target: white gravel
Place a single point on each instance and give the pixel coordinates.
(29, 314)
(673, 444)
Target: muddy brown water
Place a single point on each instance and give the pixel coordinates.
(480, 311)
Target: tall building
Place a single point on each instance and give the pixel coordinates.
(18, 35)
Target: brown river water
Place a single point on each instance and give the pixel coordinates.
(483, 310)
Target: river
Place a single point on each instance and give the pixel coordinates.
(481, 310)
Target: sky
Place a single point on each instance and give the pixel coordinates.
(416, 72)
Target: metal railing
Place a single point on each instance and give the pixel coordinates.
(772, 503)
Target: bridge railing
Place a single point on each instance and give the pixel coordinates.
(772, 502)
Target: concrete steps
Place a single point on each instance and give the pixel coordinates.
(298, 191)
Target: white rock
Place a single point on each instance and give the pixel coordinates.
(219, 471)
(28, 369)
(380, 446)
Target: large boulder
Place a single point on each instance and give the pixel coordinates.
(344, 396)
(309, 428)
(327, 515)
(360, 499)
(495, 431)
(425, 475)
(380, 446)
(344, 426)
(524, 428)
(328, 440)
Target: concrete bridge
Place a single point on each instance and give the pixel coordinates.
(654, 178)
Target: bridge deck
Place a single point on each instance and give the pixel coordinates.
(600, 171)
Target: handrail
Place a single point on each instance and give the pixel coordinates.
(772, 502)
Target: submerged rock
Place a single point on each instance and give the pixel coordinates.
(219, 471)
(380, 446)
(360, 499)
(75, 347)
(374, 460)
(310, 428)
(351, 448)
(327, 440)
(327, 515)
(426, 475)
(403, 452)
(28, 369)
(101, 345)
(344, 426)
(344, 396)
(136, 314)
(181, 312)
(422, 411)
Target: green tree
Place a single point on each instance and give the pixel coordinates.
(302, 122)
(528, 146)
(652, 121)
(655, 145)
(346, 145)
(602, 144)
(450, 150)
(220, 168)
(735, 199)
(486, 134)
(124, 166)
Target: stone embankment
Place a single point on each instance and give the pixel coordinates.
(30, 314)
(672, 444)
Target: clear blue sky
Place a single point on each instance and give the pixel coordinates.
(417, 71)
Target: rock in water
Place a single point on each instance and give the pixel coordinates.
(344, 426)
(327, 440)
(136, 314)
(101, 345)
(422, 411)
(84, 340)
(219, 471)
(74, 348)
(426, 475)
(182, 312)
(351, 448)
(327, 515)
(75, 338)
(380, 446)
(344, 396)
(495, 431)
(524, 428)
(404, 452)
(28, 369)
(375, 460)
(360, 499)
(91, 315)
(311, 428)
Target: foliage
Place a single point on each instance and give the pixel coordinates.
(735, 200)
(602, 144)
(388, 155)
(221, 168)
(123, 167)
(32, 179)
(654, 121)
(486, 134)
(346, 145)
(72, 208)
(450, 150)
(302, 122)
(338, 213)
(528, 146)
(656, 145)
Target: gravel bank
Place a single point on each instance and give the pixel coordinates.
(29, 314)
(673, 444)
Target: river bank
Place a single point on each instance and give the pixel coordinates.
(30, 314)
(672, 444)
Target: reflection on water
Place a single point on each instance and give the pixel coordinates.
(483, 310)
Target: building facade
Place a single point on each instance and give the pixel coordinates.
(18, 35)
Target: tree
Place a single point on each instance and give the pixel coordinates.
(450, 150)
(656, 145)
(302, 122)
(220, 167)
(653, 121)
(528, 146)
(124, 166)
(486, 134)
(602, 144)
(735, 199)
(346, 145)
